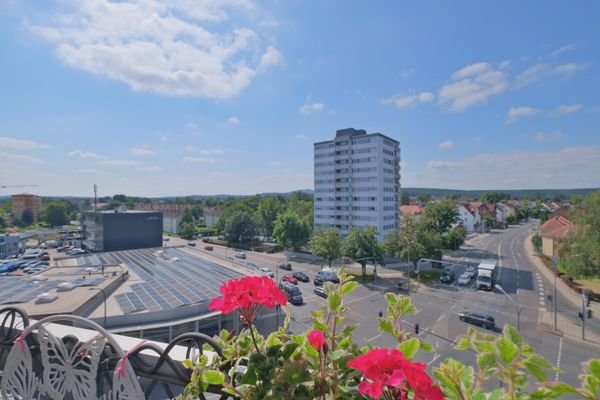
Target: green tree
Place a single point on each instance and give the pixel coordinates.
(290, 230)
(56, 213)
(440, 216)
(302, 204)
(583, 260)
(327, 244)
(240, 227)
(404, 198)
(414, 242)
(186, 230)
(493, 197)
(2, 222)
(361, 246)
(268, 209)
(423, 198)
(27, 217)
(511, 220)
(121, 198)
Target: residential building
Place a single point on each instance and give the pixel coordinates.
(172, 213)
(357, 182)
(469, 218)
(552, 231)
(114, 230)
(412, 211)
(211, 216)
(11, 245)
(26, 202)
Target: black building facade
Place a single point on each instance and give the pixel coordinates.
(110, 230)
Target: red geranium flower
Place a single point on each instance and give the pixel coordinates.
(316, 339)
(248, 295)
(385, 369)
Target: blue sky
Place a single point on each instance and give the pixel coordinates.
(181, 97)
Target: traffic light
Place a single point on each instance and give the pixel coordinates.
(589, 313)
(416, 329)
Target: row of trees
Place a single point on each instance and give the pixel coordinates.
(580, 252)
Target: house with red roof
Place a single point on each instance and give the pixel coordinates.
(552, 231)
(413, 211)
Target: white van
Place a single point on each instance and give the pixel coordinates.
(30, 256)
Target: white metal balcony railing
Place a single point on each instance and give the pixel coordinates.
(71, 357)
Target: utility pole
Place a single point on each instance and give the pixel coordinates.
(95, 196)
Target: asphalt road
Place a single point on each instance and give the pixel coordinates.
(438, 305)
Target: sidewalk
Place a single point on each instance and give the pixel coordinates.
(546, 318)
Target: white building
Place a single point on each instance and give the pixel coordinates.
(357, 182)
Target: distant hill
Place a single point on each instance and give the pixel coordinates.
(514, 193)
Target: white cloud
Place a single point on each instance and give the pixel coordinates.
(8, 158)
(514, 113)
(86, 155)
(474, 84)
(310, 108)
(233, 121)
(570, 167)
(542, 137)
(445, 145)
(119, 163)
(12, 143)
(141, 151)
(301, 136)
(271, 58)
(565, 109)
(191, 125)
(150, 168)
(178, 48)
(406, 73)
(190, 148)
(403, 102)
(189, 159)
(563, 49)
(568, 70)
(531, 75)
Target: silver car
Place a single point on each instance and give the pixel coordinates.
(465, 278)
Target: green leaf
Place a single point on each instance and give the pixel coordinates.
(483, 346)
(386, 326)
(187, 363)
(348, 288)
(336, 355)
(507, 350)
(512, 334)
(334, 300)
(213, 377)
(463, 344)
(594, 368)
(486, 362)
(409, 348)
(425, 346)
(495, 394)
(536, 366)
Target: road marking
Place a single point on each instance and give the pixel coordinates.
(373, 338)
(558, 358)
(452, 308)
(438, 355)
(440, 318)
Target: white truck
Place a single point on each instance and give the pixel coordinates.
(486, 274)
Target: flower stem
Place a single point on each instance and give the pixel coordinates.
(253, 338)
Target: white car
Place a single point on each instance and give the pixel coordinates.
(75, 252)
(471, 270)
(465, 278)
(267, 272)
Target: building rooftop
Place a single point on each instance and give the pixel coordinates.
(556, 227)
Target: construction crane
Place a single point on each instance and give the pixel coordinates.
(16, 186)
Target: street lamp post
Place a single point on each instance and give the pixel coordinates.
(517, 308)
(104, 296)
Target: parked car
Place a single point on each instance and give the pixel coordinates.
(447, 276)
(45, 257)
(326, 276)
(240, 254)
(292, 292)
(403, 284)
(320, 291)
(464, 278)
(290, 278)
(286, 266)
(193, 244)
(267, 272)
(62, 249)
(483, 320)
(75, 252)
(471, 270)
(208, 248)
(301, 276)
